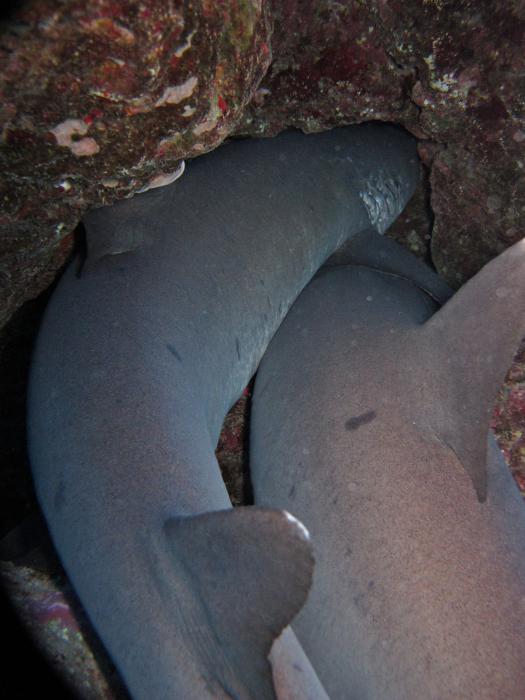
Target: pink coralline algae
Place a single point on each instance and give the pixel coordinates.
(509, 418)
(42, 603)
(232, 449)
(176, 93)
(106, 96)
(52, 608)
(67, 130)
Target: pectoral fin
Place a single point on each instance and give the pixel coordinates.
(248, 571)
(470, 344)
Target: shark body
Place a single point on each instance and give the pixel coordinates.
(138, 360)
(370, 420)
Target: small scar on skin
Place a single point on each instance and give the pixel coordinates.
(60, 496)
(357, 421)
(174, 352)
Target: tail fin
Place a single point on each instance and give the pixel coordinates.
(249, 571)
(471, 342)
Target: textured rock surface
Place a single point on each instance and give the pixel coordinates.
(232, 450)
(509, 418)
(101, 99)
(453, 73)
(48, 610)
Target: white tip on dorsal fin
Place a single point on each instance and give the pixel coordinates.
(471, 343)
(248, 572)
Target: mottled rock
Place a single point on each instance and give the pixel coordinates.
(47, 608)
(452, 73)
(413, 227)
(101, 99)
(232, 450)
(508, 420)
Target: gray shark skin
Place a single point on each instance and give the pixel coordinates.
(369, 422)
(137, 362)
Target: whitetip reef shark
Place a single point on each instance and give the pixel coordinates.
(370, 423)
(139, 358)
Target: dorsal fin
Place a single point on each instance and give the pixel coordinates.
(470, 344)
(122, 227)
(249, 571)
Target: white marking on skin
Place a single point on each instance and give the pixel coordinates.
(176, 93)
(302, 530)
(163, 179)
(382, 199)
